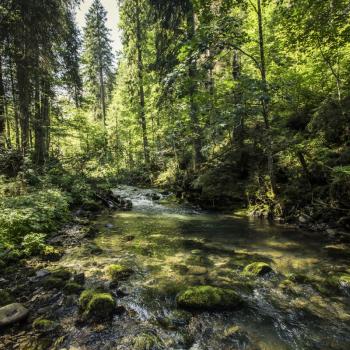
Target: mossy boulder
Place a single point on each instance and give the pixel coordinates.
(61, 273)
(51, 282)
(42, 325)
(338, 281)
(96, 305)
(208, 298)
(257, 269)
(72, 287)
(147, 341)
(51, 253)
(5, 297)
(119, 272)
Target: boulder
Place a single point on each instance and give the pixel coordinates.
(257, 269)
(119, 272)
(208, 298)
(96, 305)
(12, 313)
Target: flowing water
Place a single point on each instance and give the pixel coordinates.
(171, 246)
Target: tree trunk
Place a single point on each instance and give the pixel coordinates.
(265, 102)
(15, 106)
(142, 114)
(192, 76)
(2, 109)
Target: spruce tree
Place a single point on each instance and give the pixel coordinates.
(97, 58)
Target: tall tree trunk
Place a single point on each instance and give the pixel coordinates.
(102, 93)
(24, 103)
(142, 114)
(15, 106)
(2, 109)
(265, 101)
(192, 76)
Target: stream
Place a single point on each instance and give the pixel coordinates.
(171, 246)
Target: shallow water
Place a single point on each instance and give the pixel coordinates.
(171, 246)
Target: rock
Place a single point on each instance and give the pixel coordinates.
(257, 269)
(339, 282)
(119, 272)
(61, 273)
(43, 326)
(72, 288)
(147, 341)
(109, 225)
(53, 283)
(96, 305)
(176, 319)
(51, 253)
(12, 313)
(42, 273)
(5, 298)
(91, 206)
(208, 298)
(79, 278)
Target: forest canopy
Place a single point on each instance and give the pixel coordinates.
(229, 103)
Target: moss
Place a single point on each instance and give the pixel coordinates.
(44, 326)
(62, 274)
(176, 319)
(5, 298)
(339, 281)
(96, 305)
(147, 341)
(257, 269)
(208, 298)
(51, 282)
(51, 253)
(72, 288)
(118, 272)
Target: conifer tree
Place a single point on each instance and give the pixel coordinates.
(97, 58)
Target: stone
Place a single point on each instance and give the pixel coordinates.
(119, 272)
(42, 273)
(42, 325)
(96, 305)
(79, 278)
(12, 313)
(208, 298)
(257, 269)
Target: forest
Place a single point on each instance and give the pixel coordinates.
(188, 191)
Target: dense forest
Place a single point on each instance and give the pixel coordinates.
(234, 106)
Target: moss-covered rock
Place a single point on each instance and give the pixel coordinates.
(96, 305)
(118, 272)
(257, 269)
(208, 298)
(51, 253)
(176, 319)
(147, 341)
(72, 288)
(338, 282)
(42, 325)
(62, 274)
(5, 297)
(51, 282)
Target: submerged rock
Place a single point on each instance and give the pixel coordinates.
(119, 272)
(257, 269)
(12, 313)
(176, 319)
(96, 305)
(208, 298)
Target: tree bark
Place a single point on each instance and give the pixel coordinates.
(192, 76)
(2, 109)
(142, 114)
(265, 101)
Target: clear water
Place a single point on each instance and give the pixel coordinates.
(172, 246)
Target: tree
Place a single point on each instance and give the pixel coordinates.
(97, 58)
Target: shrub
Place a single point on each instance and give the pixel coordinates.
(42, 211)
(33, 243)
